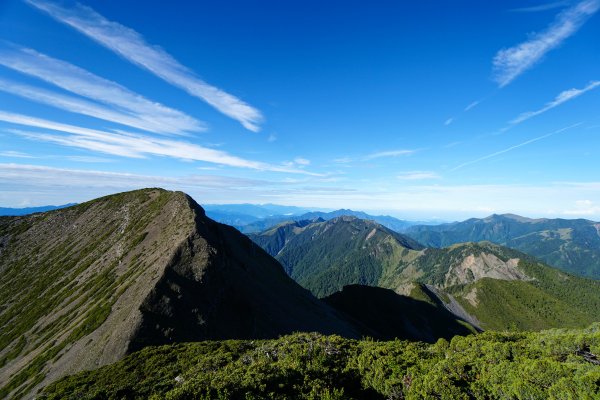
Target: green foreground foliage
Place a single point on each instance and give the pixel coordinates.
(553, 364)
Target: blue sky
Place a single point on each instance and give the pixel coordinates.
(418, 109)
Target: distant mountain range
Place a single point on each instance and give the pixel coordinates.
(252, 218)
(30, 210)
(256, 210)
(573, 245)
(488, 285)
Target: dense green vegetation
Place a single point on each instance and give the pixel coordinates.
(555, 364)
(325, 256)
(551, 299)
(571, 245)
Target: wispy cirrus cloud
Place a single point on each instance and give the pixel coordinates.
(497, 153)
(132, 145)
(301, 161)
(472, 105)
(563, 97)
(345, 161)
(87, 159)
(44, 176)
(77, 105)
(391, 153)
(418, 175)
(512, 62)
(83, 159)
(128, 107)
(469, 107)
(132, 46)
(15, 154)
(542, 7)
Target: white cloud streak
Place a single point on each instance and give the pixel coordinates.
(130, 45)
(15, 154)
(448, 121)
(87, 159)
(132, 145)
(36, 175)
(301, 161)
(472, 105)
(391, 153)
(542, 7)
(418, 175)
(512, 62)
(129, 107)
(563, 97)
(497, 153)
(84, 107)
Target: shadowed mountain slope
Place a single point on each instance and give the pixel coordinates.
(84, 286)
(388, 315)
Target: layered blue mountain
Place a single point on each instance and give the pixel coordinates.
(573, 245)
(6, 211)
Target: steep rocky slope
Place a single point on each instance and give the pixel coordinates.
(83, 286)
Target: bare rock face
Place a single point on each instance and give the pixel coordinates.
(83, 286)
(485, 265)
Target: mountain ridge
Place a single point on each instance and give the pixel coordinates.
(113, 275)
(572, 245)
(13, 212)
(251, 224)
(341, 239)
